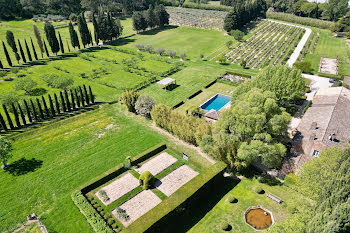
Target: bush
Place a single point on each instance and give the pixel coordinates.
(3, 73)
(183, 56)
(304, 66)
(140, 47)
(147, 180)
(160, 51)
(114, 225)
(149, 48)
(24, 84)
(195, 111)
(224, 226)
(9, 98)
(144, 105)
(99, 209)
(171, 53)
(111, 221)
(55, 81)
(129, 99)
(259, 190)
(237, 34)
(232, 199)
(122, 213)
(94, 219)
(221, 59)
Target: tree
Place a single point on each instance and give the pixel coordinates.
(34, 111)
(34, 52)
(28, 51)
(96, 29)
(46, 50)
(150, 17)
(146, 180)
(22, 114)
(72, 98)
(52, 107)
(92, 97)
(2, 122)
(10, 38)
(81, 97)
(144, 105)
(57, 104)
(304, 66)
(77, 97)
(40, 109)
(28, 111)
(38, 39)
(73, 36)
(231, 21)
(83, 29)
(336, 9)
(139, 22)
(63, 103)
(5, 149)
(237, 34)
(22, 52)
(67, 45)
(1, 65)
(15, 113)
(67, 100)
(243, 64)
(160, 51)
(7, 54)
(129, 99)
(162, 16)
(25, 84)
(9, 120)
(51, 37)
(61, 43)
(47, 112)
(86, 95)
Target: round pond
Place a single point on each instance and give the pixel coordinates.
(259, 218)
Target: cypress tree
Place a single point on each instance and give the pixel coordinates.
(7, 54)
(39, 40)
(51, 37)
(73, 36)
(96, 29)
(10, 38)
(22, 115)
(67, 100)
(21, 51)
(77, 98)
(45, 106)
(86, 95)
(28, 51)
(63, 102)
(52, 107)
(46, 50)
(92, 97)
(28, 111)
(34, 111)
(2, 121)
(61, 43)
(9, 120)
(72, 98)
(16, 115)
(35, 55)
(90, 39)
(68, 45)
(57, 104)
(40, 109)
(81, 97)
(83, 29)
(1, 66)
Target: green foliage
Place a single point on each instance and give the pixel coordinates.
(122, 213)
(95, 220)
(139, 21)
(51, 37)
(188, 128)
(104, 195)
(147, 180)
(237, 34)
(9, 98)
(84, 30)
(304, 66)
(195, 111)
(25, 84)
(243, 64)
(221, 59)
(144, 105)
(55, 81)
(259, 190)
(224, 226)
(232, 199)
(129, 99)
(5, 149)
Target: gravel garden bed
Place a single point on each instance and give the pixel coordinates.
(157, 164)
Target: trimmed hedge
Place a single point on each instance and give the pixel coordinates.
(114, 172)
(94, 219)
(179, 197)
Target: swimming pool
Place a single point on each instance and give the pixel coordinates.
(216, 102)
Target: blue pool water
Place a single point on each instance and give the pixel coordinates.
(216, 103)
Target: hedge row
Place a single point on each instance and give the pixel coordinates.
(114, 172)
(188, 4)
(176, 199)
(94, 219)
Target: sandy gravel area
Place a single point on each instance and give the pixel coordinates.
(157, 164)
(174, 180)
(119, 188)
(138, 206)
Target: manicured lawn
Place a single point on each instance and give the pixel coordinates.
(233, 214)
(217, 88)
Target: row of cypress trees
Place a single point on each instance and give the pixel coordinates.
(35, 110)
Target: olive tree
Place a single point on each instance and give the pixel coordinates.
(144, 105)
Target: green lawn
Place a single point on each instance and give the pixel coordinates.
(32, 228)
(233, 214)
(217, 88)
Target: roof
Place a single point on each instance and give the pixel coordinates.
(213, 114)
(166, 81)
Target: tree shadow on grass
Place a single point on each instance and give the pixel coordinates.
(24, 166)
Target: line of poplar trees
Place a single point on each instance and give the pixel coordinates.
(35, 110)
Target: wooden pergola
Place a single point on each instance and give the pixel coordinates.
(165, 83)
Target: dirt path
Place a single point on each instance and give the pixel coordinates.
(178, 141)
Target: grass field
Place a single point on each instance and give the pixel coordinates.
(233, 214)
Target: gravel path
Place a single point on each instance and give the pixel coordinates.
(157, 164)
(118, 188)
(138, 206)
(175, 180)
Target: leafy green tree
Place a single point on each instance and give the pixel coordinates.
(28, 51)
(25, 84)
(91, 95)
(147, 180)
(52, 107)
(30, 119)
(47, 112)
(129, 99)
(96, 29)
(7, 54)
(336, 9)
(139, 21)
(10, 38)
(231, 21)
(22, 52)
(9, 98)
(162, 16)
(237, 34)
(34, 111)
(144, 105)
(87, 98)
(51, 37)
(22, 114)
(57, 104)
(150, 17)
(39, 40)
(34, 52)
(40, 108)
(5, 151)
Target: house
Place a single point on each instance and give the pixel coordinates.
(340, 34)
(325, 124)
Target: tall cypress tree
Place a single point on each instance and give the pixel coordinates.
(22, 115)
(21, 51)
(92, 97)
(45, 106)
(96, 29)
(7, 54)
(28, 111)
(81, 97)
(73, 36)
(46, 50)
(67, 100)
(51, 37)
(83, 29)
(57, 104)
(77, 97)
(72, 98)
(63, 102)
(61, 43)
(34, 111)
(2, 122)
(40, 109)
(9, 120)
(39, 40)
(86, 95)
(16, 115)
(35, 55)
(10, 38)
(52, 107)
(28, 51)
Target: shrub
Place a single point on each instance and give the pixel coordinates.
(111, 221)
(304, 66)
(55, 81)
(99, 209)
(221, 59)
(183, 56)
(24, 84)
(9, 98)
(259, 190)
(171, 53)
(232, 199)
(114, 225)
(195, 111)
(237, 34)
(144, 105)
(15, 70)
(129, 99)
(149, 48)
(243, 64)
(229, 44)
(146, 180)
(3, 73)
(224, 226)
(160, 51)
(140, 47)
(122, 213)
